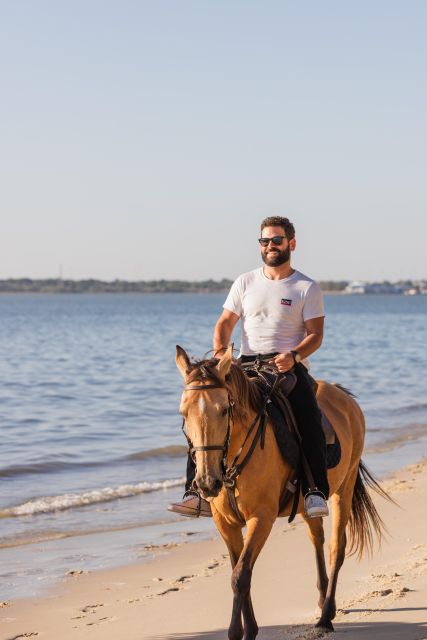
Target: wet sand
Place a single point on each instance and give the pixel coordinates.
(184, 592)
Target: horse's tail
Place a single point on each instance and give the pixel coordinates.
(365, 520)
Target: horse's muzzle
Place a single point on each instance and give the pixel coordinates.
(208, 486)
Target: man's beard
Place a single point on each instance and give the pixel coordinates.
(276, 259)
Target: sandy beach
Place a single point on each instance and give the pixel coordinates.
(184, 592)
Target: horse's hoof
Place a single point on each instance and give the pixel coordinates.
(251, 633)
(325, 625)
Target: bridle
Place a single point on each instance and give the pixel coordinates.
(212, 447)
(232, 471)
(257, 428)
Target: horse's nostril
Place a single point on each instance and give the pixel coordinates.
(217, 485)
(202, 486)
(209, 486)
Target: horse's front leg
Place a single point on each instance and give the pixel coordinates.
(232, 536)
(258, 530)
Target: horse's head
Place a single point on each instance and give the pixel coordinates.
(205, 406)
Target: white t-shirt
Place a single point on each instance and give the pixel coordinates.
(273, 312)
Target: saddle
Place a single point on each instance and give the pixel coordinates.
(277, 388)
(282, 416)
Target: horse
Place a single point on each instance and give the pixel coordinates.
(219, 404)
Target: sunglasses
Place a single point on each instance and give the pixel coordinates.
(264, 242)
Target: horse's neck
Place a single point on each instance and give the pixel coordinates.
(239, 432)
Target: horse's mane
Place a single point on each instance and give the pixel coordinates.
(347, 391)
(246, 392)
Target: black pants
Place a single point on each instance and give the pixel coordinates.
(309, 420)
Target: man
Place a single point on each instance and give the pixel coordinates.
(282, 316)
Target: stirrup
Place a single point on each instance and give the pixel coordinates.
(319, 510)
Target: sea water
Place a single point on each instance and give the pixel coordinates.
(91, 449)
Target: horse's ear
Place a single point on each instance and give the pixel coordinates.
(224, 364)
(182, 360)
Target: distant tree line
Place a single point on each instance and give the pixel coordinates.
(58, 285)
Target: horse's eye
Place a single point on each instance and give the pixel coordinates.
(225, 411)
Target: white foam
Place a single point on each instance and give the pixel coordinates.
(48, 504)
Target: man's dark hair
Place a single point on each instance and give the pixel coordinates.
(279, 221)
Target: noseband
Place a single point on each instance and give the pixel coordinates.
(211, 447)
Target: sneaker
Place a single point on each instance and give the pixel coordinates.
(192, 505)
(315, 506)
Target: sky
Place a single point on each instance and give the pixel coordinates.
(147, 139)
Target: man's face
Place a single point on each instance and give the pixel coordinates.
(274, 255)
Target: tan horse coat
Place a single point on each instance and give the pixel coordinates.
(259, 487)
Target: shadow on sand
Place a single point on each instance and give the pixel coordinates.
(349, 631)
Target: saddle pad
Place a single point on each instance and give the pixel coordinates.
(285, 438)
(333, 447)
(333, 453)
(288, 445)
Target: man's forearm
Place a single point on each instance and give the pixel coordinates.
(309, 344)
(222, 335)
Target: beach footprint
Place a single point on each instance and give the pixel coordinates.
(91, 608)
(102, 621)
(214, 564)
(182, 580)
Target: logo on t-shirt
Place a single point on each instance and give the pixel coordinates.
(286, 302)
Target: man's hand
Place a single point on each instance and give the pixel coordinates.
(283, 362)
(307, 346)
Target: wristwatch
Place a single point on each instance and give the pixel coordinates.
(297, 357)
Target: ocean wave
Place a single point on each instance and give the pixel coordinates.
(49, 504)
(49, 466)
(55, 466)
(398, 437)
(415, 407)
(171, 451)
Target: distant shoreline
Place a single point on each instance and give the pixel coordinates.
(58, 286)
(51, 285)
